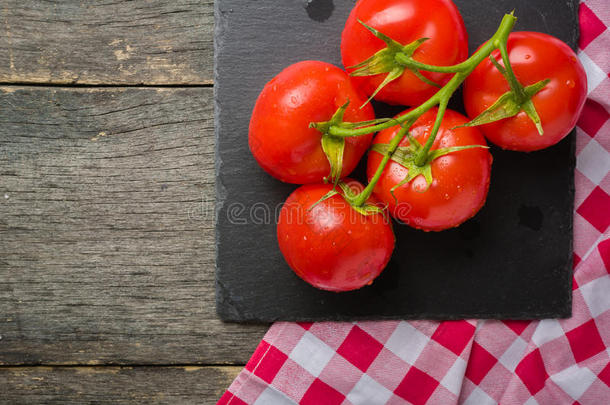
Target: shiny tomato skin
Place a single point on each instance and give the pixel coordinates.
(279, 136)
(405, 21)
(534, 56)
(461, 179)
(331, 246)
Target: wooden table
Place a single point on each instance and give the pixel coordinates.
(107, 206)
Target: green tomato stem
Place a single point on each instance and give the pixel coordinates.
(422, 155)
(368, 190)
(413, 64)
(514, 84)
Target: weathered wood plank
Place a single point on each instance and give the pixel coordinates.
(106, 229)
(114, 385)
(110, 42)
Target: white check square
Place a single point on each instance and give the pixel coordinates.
(594, 161)
(407, 342)
(312, 354)
(514, 354)
(368, 392)
(547, 330)
(574, 380)
(454, 377)
(594, 74)
(597, 295)
(273, 397)
(479, 397)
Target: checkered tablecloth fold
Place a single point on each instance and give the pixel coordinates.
(470, 362)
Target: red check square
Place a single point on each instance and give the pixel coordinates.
(593, 116)
(416, 387)
(305, 325)
(454, 335)
(576, 259)
(266, 368)
(604, 375)
(596, 209)
(532, 372)
(479, 363)
(228, 397)
(517, 326)
(360, 348)
(590, 26)
(320, 393)
(585, 341)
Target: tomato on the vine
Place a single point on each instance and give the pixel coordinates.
(534, 57)
(460, 180)
(280, 137)
(405, 21)
(328, 243)
(430, 170)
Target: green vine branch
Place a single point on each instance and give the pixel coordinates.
(417, 158)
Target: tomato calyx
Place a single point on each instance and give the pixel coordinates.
(511, 103)
(407, 156)
(394, 59)
(334, 146)
(352, 198)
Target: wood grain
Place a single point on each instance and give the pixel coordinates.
(106, 42)
(106, 229)
(114, 385)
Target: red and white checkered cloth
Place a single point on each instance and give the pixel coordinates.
(475, 362)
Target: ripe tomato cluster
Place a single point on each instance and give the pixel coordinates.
(428, 167)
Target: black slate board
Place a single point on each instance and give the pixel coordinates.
(512, 261)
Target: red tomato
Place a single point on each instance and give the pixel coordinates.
(280, 138)
(461, 179)
(534, 56)
(332, 246)
(405, 21)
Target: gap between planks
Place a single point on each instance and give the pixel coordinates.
(107, 85)
(117, 365)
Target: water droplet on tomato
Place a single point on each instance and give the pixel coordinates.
(526, 57)
(446, 196)
(570, 84)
